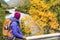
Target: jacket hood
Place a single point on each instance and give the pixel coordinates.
(14, 19)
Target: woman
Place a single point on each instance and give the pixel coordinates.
(15, 27)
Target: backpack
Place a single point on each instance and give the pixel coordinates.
(6, 28)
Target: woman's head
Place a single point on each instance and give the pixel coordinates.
(17, 15)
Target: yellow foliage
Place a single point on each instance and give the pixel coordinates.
(52, 31)
(42, 16)
(54, 24)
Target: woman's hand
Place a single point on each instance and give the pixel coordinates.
(24, 38)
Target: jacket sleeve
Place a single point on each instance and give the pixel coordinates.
(14, 29)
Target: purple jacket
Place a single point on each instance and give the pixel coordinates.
(16, 28)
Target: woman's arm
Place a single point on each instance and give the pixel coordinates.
(14, 29)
